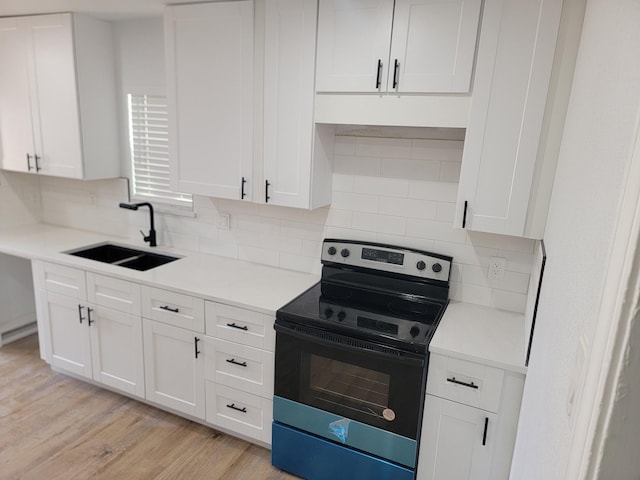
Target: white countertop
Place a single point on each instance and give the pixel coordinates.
(230, 281)
(482, 334)
(466, 331)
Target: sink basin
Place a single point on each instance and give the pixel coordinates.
(123, 256)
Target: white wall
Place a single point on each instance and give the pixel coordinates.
(595, 152)
(19, 199)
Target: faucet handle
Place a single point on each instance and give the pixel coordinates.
(144, 237)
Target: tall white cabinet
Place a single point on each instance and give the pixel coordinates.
(209, 59)
(297, 154)
(57, 96)
(503, 144)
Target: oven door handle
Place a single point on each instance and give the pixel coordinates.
(379, 351)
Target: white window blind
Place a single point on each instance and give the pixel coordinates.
(149, 145)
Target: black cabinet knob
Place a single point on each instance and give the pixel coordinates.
(344, 252)
(331, 251)
(421, 265)
(436, 267)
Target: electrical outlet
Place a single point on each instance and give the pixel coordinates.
(223, 221)
(496, 268)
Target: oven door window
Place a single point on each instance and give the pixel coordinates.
(381, 390)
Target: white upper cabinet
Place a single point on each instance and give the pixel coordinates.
(297, 155)
(406, 46)
(209, 58)
(515, 58)
(57, 96)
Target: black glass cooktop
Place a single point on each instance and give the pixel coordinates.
(401, 321)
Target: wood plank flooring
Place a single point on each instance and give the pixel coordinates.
(56, 427)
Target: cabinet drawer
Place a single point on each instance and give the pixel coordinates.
(239, 366)
(465, 382)
(240, 325)
(173, 308)
(239, 412)
(63, 280)
(114, 293)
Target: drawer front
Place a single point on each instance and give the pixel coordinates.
(114, 293)
(63, 280)
(240, 325)
(173, 308)
(465, 382)
(239, 412)
(239, 366)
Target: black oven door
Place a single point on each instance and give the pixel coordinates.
(352, 378)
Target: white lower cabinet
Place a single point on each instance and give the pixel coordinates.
(457, 441)
(86, 338)
(150, 343)
(470, 419)
(174, 368)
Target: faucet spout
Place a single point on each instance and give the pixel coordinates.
(151, 238)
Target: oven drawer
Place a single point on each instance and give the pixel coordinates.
(176, 309)
(240, 325)
(465, 382)
(239, 412)
(239, 366)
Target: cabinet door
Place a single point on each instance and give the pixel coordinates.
(456, 441)
(433, 45)
(288, 100)
(69, 334)
(16, 133)
(209, 52)
(353, 45)
(174, 374)
(116, 350)
(54, 97)
(515, 57)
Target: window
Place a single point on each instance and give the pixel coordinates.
(149, 147)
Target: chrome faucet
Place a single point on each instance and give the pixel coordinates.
(151, 238)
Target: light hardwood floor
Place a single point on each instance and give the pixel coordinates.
(56, 427)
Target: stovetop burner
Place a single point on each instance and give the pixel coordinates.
(375, 292)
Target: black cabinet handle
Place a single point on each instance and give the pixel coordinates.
(379, 74)
(36, 158)
(235, 362)
(239, 327)
(29, 167)
(464, 215)
(396, 64)
(89, 310)
(464, 384)
(484, 435)
(242, 194)
(80, 308)
(233, 407)
(195, 346)
(266, 191)
(169, 309)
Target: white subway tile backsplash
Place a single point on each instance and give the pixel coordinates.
(443, 231)
(383, 147)
(450, 172)
(440, 150)
(355, 201)
(410, 169)
(389, 187)
(353, 165)
(423, 190)
(379, 223)
(342, 182)
(407, 207)
(398, 191)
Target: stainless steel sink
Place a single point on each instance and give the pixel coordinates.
(123, 256)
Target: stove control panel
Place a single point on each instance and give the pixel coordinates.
(387, 258)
